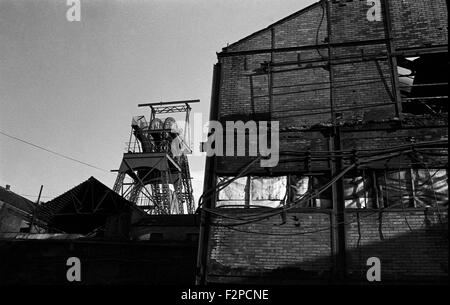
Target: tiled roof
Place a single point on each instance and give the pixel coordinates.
(16, 200)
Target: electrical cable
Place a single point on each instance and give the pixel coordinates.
(322, 4)
(271, 213)
(307, 232)
(221, 186)
(54, 152)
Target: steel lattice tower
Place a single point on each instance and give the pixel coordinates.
(154, 173)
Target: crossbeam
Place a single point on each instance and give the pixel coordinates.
(169, 103)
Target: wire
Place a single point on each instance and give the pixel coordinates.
(306, 232)
(35, 196)
(54, 152)
(391, 153)
(322, 4)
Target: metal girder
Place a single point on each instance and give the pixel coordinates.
(169, 103)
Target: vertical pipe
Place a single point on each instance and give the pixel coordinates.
(413, 187)
(339, 207)
(375, 189)
(386, 205)
(252, 95)
(333, 231)
(248, 195)
(272, 44)
(330, 64)
(392, 60)
(338, 217)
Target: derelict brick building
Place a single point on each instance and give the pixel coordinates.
(360, 92)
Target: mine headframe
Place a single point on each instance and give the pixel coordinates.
(154, 172)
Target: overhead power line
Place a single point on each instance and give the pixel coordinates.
(53, 152)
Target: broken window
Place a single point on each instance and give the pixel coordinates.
(395, 188)
(302, 186)
(424, 83)
(268, 191)
(253, 191)
(299, 187)
(234, 194)
(358, 191)
(430, 187)
(403, 188)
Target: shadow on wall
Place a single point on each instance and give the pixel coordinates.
(404, 259)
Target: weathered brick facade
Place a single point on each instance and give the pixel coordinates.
(330, 77)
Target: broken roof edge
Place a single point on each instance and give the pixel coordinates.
(74, 190)
(281, 21)
(407, 120)
(39, 236)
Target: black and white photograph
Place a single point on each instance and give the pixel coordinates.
(223, 149)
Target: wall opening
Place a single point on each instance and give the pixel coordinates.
(424, 83)
(401, 188)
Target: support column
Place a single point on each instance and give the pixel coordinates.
(338, 215)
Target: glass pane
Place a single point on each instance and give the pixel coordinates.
(235, 191)
(268, 191)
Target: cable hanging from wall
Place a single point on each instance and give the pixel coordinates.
(260, 216)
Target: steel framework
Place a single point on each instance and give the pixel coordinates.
(154, 173)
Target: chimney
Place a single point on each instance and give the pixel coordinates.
(8, 187)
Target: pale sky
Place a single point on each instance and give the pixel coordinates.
(73, 87)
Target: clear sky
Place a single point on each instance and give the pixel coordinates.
(73, 87)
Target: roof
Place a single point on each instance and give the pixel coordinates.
(303, 10)
(16, 200)
(89, 197)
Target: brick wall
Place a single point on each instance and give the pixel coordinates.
(385, 139)
(349, 22)
(415, 249)
(363, 98)
(419, 23)
(299, 95)
(314, 140)
(244, 95)
(412, 245)
(356, 84)
(235, 256)
(363, 90)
